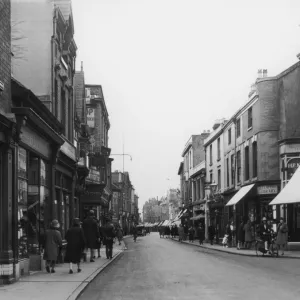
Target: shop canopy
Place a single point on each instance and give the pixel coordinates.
(240, 195)
(290, 193)
(198, 217)
(178, 222)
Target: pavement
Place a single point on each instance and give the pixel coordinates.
(154, 268)
(234, 250)
(60, 285)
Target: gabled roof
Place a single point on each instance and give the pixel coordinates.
(65, 7)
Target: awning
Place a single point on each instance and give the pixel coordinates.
(176, 223)
(198, 217)
(290, 193)
(182, 213)
(240, 194)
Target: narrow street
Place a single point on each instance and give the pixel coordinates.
(155, 268)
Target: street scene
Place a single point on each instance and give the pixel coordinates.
(149, 149)
(155, 268)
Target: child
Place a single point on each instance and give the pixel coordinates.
(225, 241)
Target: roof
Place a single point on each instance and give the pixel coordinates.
(65, 7)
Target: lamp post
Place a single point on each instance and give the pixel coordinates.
(211, 188)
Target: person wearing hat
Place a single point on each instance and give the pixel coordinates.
(282, 235)
(109, 233)
(53, 241)
(264, 231)
(91, 233)
(75, 245)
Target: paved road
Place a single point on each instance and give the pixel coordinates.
(155, 268)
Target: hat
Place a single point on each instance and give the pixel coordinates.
(264, 219)
(76, 221)
(91, 213)
(55, 224)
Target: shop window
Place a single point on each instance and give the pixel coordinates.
(247, 163)
(238, 161)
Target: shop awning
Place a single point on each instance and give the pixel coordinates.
(198, 217)
(290, 193)
(240, 195)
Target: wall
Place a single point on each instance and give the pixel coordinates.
(32, 60)
(80, 96)
(198, 153)
(5, 55)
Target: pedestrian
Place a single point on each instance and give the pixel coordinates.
(75, 245)
(134, 232)
(201, 233)
(264, 233)
(282, 235)
(211, 233)
(186, 232)
(225, 241)
(180, 233)
(99, 240)
(160, 231)
(228, 232)
(120, 234)
(53, 241)
(109, 235)
(168, 231)
(241, 235)
(191, 234)
(248, 228)
(91, 233)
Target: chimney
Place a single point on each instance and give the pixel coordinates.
(265, 73)
(259, 73)
(82, 66)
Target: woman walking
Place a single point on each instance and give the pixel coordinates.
(180, 233)
(53, 241)
(201, 234)
(191, 234)
(120, 234)
(75, 245)
(282, 235)
(241, 235)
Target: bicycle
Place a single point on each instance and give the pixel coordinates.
(273, 248)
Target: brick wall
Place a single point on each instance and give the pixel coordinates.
(5, 54)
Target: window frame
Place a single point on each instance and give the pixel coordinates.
(219, 148)
(238, 127)
(254, 159)
(250, 117)
(239, 166)
(246, 162)
(229, 136)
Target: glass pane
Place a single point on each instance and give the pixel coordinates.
(22, 218)
(22, 165)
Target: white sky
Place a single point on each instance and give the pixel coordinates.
(170, 68)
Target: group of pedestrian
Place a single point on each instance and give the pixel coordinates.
(80, 237)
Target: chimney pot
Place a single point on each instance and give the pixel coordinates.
(265, 73)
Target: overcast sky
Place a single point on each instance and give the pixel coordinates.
(170, 68)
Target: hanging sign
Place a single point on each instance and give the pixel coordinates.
(91, 117)
(292, 166)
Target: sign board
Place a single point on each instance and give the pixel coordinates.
(69, 150)
(290, 148)
(267, 190)
(34, 141)
(94, 175)
(292, 166)
(91, 117)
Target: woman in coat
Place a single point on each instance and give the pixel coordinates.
(282, 235)
(53, 241)
(248, 234)
(201, 233)
(75, 245)
(119, 234)
(241, 235)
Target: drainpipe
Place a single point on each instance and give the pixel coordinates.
(235, 173)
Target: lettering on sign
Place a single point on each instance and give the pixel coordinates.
(33, 140)
(267, 189)
(91, 117)
(292, 166)
(291, 148)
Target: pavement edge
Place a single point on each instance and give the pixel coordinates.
(80, 289)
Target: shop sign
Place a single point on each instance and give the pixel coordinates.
(94, 175)
(290, 148)
(69, 150)
(34, 141)
(292, 166)
(91, 117)
(267, 189)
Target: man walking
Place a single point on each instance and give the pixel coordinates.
(91, 233)
(109, 235)
(134, 232)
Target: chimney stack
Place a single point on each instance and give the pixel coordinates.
(259, 73)
(265, 73)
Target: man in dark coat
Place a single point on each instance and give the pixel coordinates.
(109, 233)
(211, 233)
(91, 233)
(134, 232)
(75, 245)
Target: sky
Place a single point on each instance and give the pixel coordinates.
(170, 68)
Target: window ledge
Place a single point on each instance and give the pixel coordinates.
(249, 128)
(254, 178)
(239, 183)
(210, 164)
(219, 159)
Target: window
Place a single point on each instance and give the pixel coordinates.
(210, 154)
(247, 163)
(254, 159)
(219, 149)
(229, 136)
(227, 171)
(250, 117)
(232, 169)
(238, 162)
(219, 179)
(211, 177)
(63, 110)
(238, 127)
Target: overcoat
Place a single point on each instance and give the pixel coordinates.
(282, 234)
(241, 232)
(248, 233)
(75, 244)
(181, 232)
(91, 232)
(53, 241)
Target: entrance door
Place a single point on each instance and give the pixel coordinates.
(294, 222)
